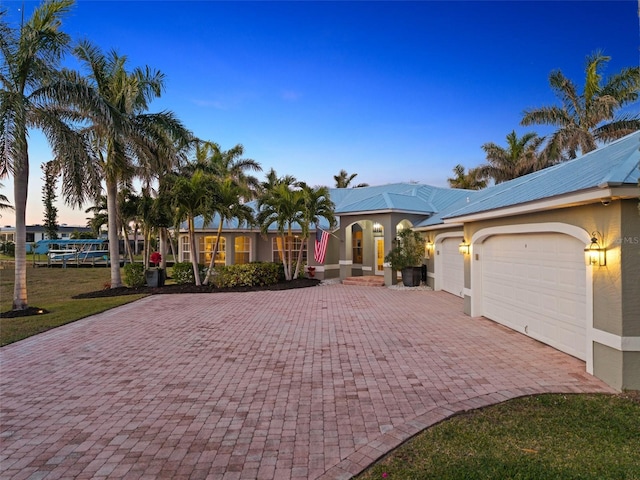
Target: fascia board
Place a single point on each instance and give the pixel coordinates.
(563, 201)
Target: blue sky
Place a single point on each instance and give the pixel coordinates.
(392, 91)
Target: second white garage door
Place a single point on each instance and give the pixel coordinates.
(535, 283)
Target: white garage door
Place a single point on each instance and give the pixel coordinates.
(452, 266)
(535, 283)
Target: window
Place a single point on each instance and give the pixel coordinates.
(242, 250)
(357, 246)
(206, 245)
(186, 255)
(31, 237)
(277, 241)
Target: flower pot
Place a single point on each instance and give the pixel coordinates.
(155, 277)
(411, 276)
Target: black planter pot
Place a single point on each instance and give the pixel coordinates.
(155, 277)
(411, 276)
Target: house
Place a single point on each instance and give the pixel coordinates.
(554, 255)
(36, 233)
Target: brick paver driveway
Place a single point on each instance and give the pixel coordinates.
(310, 383)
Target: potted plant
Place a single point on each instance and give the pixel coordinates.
(155, 275)
(406, 256)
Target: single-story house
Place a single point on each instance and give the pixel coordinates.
(554, 254)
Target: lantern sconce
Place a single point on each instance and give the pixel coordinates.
(430, 247)
(594, 252)
(464, 247)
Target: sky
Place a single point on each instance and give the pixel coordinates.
(393, 91)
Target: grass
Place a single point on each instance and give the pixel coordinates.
(539, 437)
(52, 289)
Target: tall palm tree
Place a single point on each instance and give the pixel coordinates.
(586, 118)
(133, 141)
(33, 94)
(317, 205)
(282, 204)
(519, 158)
(466, 180)
(191, 197)
(226, 203)
(343, 180)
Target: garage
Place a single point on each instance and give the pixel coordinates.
(452, 266)
(536, 284)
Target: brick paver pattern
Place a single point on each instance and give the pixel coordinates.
(309, 383)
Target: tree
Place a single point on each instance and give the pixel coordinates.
(129, 142)
(343, 180)
(33, 94)
(282, 204)
(226, 203)
(100, 217)
(48, 198)
(4, 201)
(466, 180)
(519, 158)
(317, 205)
(586, 118)
(191, 198)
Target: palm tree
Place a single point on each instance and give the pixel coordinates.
(584, 119)
(226, 203)
(134, 141)
(343, 180)
(317, 204)
(282, 204)
(466, 180)
(100, 217)
(519, 158)
(191, 197)
(33, 94)
(4, 201)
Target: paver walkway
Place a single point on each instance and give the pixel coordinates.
(310, 383)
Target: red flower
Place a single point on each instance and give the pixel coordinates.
(155, 258)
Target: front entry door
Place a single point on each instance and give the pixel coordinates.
(379, 256)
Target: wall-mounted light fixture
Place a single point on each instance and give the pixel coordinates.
(594, 252)
(464, 248)
(377, 228)
(429, 248)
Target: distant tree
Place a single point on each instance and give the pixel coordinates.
(50, 220)
(518, 158)
(76, 235)
(343, 180)
(584, 119)
(466, 180)
(100, 217)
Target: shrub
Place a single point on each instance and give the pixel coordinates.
(247, 275)
(8, 248)
(134, 276)
(183, 273)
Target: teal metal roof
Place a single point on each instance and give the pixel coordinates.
(402, 197)
(616, 164)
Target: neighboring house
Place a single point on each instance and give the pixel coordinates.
(523, 242)
(38, 232)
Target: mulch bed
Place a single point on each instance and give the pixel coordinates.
(168, 289)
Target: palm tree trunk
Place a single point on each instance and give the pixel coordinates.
(194, 252)
(299, 262)
(127, 245)
(162, 247)
(20, 185)
(114, 247)
(212, 263)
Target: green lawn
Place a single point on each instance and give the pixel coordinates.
(52, 289)
(541, 437)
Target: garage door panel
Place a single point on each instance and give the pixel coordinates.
(452, 266)
(536, 283)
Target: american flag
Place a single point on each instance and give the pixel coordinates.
(322, 239)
